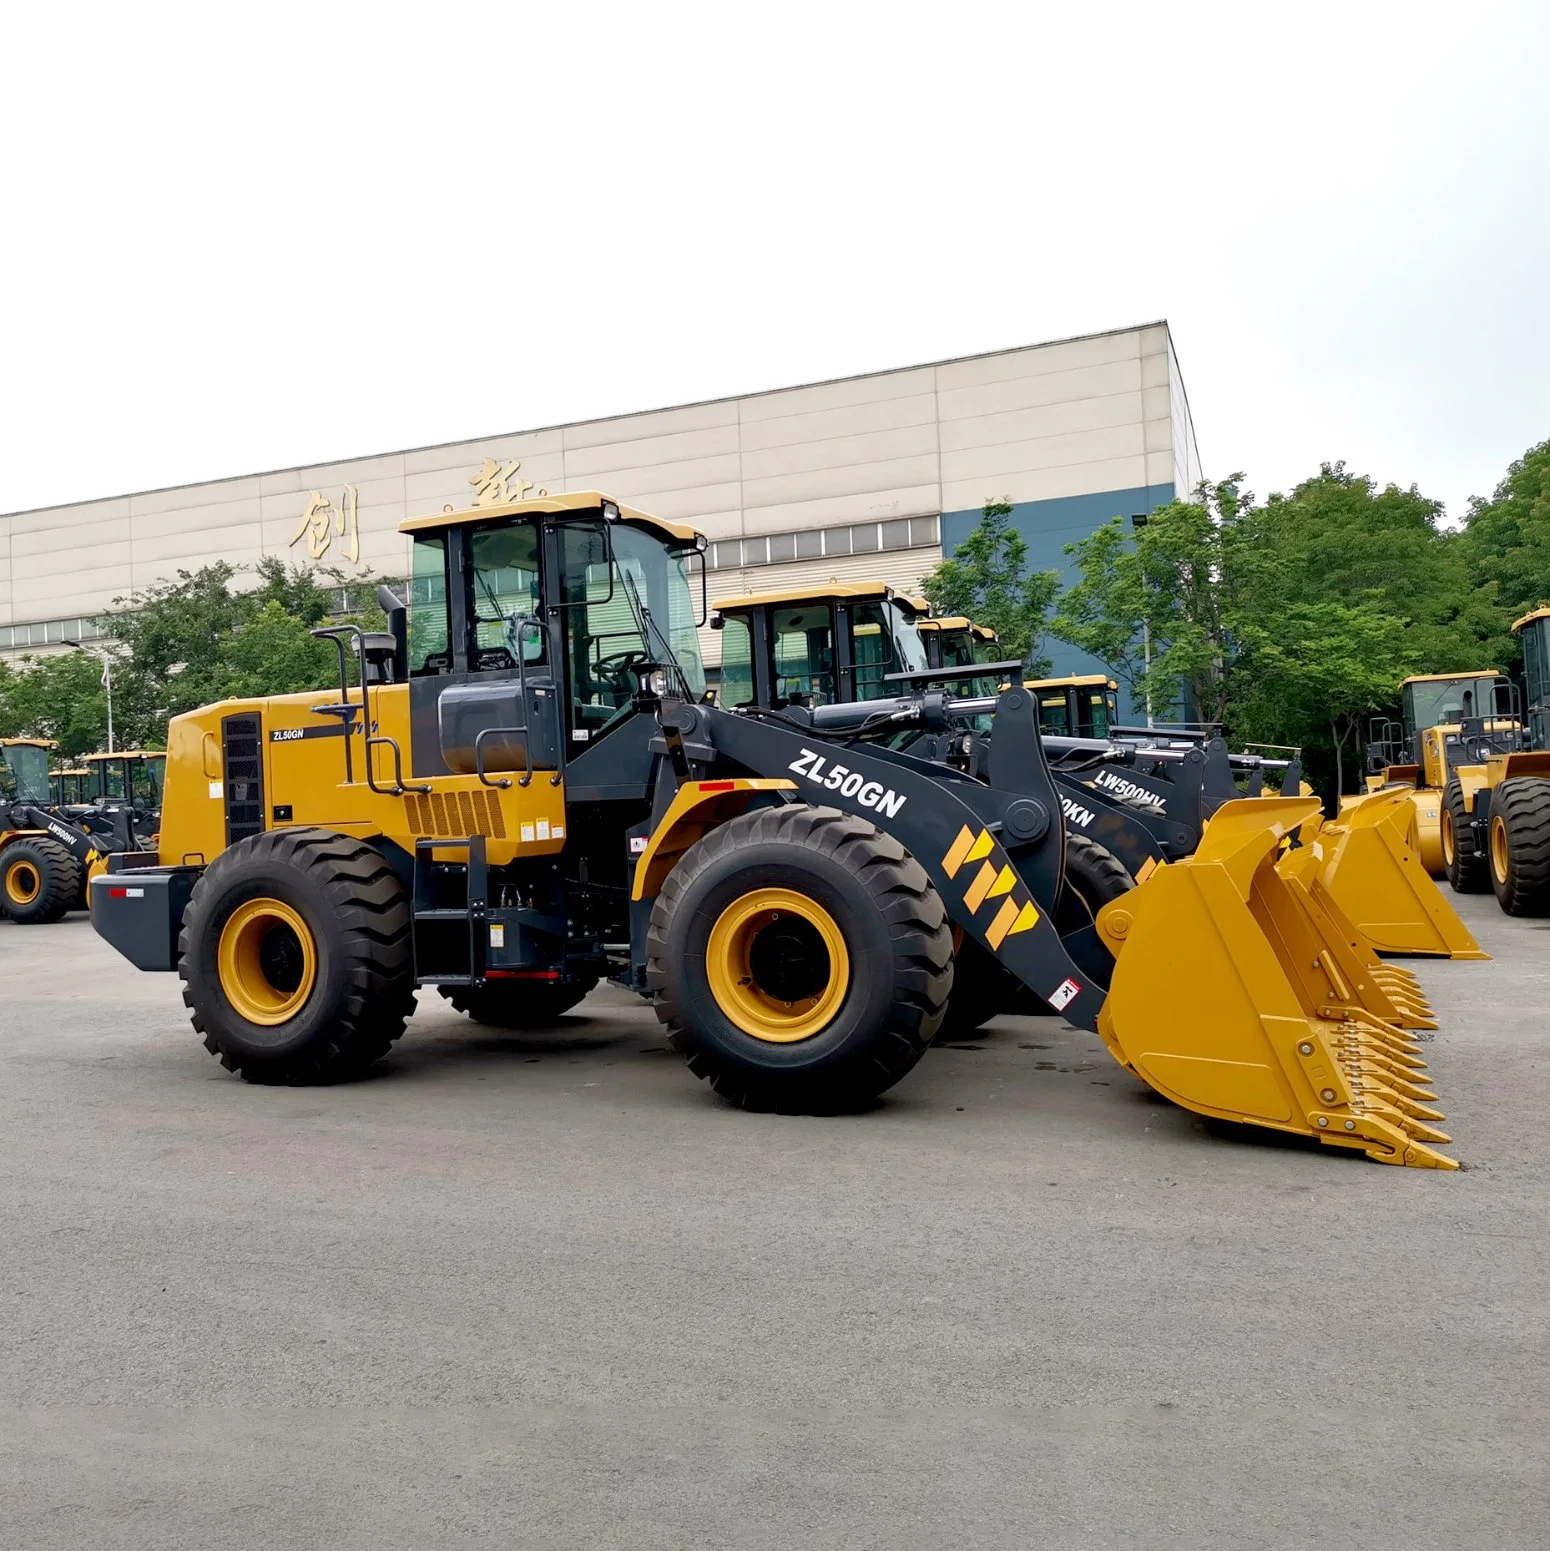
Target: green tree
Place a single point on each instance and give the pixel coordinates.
(206, 637)
(1341, 538)
(1506, 549)
(209, 635)
(1314, 672)
(1288, 622)
(1171, 590)
(60, 697)
(987, 580)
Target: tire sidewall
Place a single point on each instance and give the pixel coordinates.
(868, 997)
(56, 870)
(212, 904)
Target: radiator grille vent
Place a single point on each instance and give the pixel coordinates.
(242, 754)
(456, 815)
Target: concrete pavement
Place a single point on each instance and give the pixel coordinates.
(549, 1292)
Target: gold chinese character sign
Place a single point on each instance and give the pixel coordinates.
(323, 521)
(498, 483)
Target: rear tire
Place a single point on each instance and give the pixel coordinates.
(1468, 869)
(39, 881)
(296, 957)
(529, 1004)
(1520, 845)
(820, 998)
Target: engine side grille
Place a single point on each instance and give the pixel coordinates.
(455, 815)
(242, 754)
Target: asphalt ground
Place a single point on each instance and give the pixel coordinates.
(550, 1292)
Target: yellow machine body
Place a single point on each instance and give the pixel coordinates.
(303, 783)
(1368, 863)
(1289, 1040)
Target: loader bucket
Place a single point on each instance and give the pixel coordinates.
(1233, 999)
(1368, 863)
(1397, 992)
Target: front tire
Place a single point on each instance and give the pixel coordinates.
(39, 881)
(800, 958)
(296, 957)
(1469, 871)
(1520, 845)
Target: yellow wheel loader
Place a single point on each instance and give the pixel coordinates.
(1496, 807)
(69, 786)
(1448, 721)
(523, 791)
(44, 856)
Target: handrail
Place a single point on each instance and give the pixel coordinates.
(336, 633)
(527, 754)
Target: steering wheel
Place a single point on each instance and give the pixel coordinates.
(614, 670)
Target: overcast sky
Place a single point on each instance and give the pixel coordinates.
(241, 238)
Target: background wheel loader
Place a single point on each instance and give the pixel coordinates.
(48, 852)
(1448, 721)
(1496, 803)
(524, 790)
(69, 786)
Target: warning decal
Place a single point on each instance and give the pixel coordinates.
(1064, 994)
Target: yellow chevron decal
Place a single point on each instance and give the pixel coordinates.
(981, 886)
(1003, 884)
(1002, 925)
(981, 847)
(959, 851)
(1148, 867)
(1027, 919)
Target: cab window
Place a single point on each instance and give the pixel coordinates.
(429, 636)
(736, 662)
(804, 654)
(883, 641)
(504, 596)
(1053, 716)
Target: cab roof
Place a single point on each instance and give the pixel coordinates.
(1530, 617)
(956, 622)
(808, 594)
(549, 506)
(1463, 673)
(128, 754)
(1071, 681)
(28, 743)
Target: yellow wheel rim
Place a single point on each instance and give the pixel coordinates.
(777, 965)
(1499, 849)
(23, 883)
(1447, 837)
(267, 961)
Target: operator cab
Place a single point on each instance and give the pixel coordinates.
(953, 642)
(1080, 705)
(813, 649)
(1533, 633)
(24, 770)
(134, 776)
(548, 614)
(1453, 720)
(68, 786)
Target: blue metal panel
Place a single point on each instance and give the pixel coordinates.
(1048, 526)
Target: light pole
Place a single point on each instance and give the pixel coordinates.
(107, 683)
(1139, 520)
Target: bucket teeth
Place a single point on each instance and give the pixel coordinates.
(1313, 1036)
